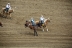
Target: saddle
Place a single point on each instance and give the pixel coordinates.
(42, 24)
(5, 10)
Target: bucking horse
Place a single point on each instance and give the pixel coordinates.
(29, 24)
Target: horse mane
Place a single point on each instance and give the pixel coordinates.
(45, 20)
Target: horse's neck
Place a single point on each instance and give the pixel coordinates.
(30, 26)
(45, 20)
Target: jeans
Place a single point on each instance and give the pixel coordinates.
(7, 9)
(33, 23)
(42, 22)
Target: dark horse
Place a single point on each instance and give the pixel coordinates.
(29, 24)
(1, 24)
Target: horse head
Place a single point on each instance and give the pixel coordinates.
(27, 23)
(47, 20)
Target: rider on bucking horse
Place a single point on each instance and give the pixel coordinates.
(42, 20)
(33, 22)
(7, 7)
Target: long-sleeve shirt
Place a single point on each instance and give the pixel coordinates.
(41, 18)
(33, 22)
(8, 6)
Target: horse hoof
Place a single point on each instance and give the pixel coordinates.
(36, 35)
(1, 26)
(10, 17)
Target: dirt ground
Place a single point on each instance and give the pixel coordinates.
(14, 34)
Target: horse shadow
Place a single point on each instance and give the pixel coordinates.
(27, 33)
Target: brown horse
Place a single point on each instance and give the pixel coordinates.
(44, 25)
(6, 13)
(28, 24)
(1, 24)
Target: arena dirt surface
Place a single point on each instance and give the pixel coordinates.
(13, 34)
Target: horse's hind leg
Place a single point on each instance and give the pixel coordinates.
(43, 29)
(47, 29)
(35, 33)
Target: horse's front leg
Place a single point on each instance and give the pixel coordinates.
(43, 29)
(10, 16)
(47, 29)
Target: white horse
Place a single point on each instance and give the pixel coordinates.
(44, 25)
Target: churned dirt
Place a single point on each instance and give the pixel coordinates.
(14, 34)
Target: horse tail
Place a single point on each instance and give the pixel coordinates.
(1, 24)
